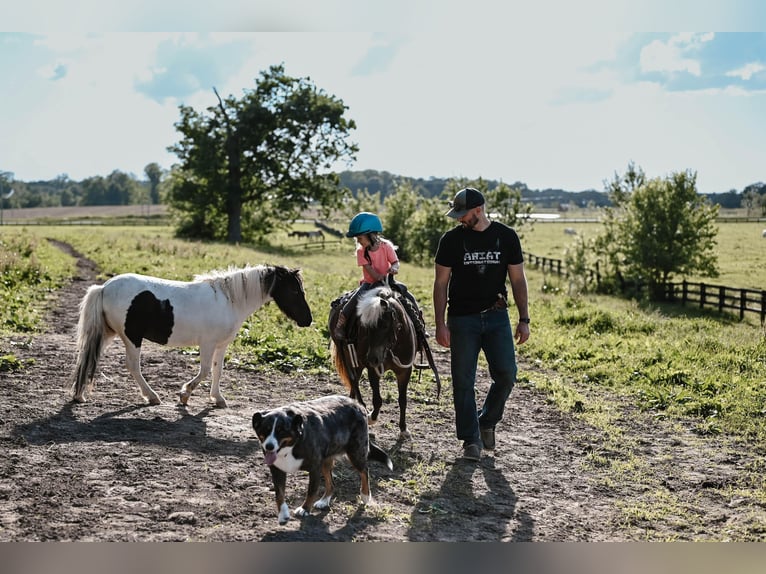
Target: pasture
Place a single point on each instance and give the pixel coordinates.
(652, 414)
(741, 250)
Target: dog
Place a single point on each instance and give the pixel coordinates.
(310, 436)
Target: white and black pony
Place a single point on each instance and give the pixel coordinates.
(207, 312)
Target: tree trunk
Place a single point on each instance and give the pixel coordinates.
(234, 192)
(234, 225)
(234, 183)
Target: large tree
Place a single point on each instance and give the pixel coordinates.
(659, 228)
(253, 164)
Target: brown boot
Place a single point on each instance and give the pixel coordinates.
(339, 332)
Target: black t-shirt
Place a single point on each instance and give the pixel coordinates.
(479, 261)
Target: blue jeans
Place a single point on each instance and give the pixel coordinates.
(489, 332)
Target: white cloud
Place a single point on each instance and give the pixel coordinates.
(747, 71)
(669, 56)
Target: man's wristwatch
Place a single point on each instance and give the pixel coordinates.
(524, 320)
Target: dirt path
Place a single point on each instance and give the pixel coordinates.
(114, 470)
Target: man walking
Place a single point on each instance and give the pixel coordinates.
(470, 308)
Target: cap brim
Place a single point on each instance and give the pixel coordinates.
(457, 214)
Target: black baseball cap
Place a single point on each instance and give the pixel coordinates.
(465, 200)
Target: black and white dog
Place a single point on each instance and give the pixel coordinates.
(310, 436)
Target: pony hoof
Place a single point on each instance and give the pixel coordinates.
(405, 435)
(219, 402)
(183, 399)
(78, 400)
(367, 500)
(155, 400)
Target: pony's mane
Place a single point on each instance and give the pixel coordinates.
(235, 282)
(369, 308)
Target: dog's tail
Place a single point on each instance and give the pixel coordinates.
(377, 453)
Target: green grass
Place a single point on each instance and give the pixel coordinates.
(29, 268)
(741, 250)
(672, 361)
(668, 360)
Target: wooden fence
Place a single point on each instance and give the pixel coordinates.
(558, 267)
(720, 297)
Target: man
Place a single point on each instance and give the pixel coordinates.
(472, 262)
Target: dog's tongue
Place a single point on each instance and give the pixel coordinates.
(270, 457)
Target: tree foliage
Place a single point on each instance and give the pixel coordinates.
(416, 223)
(397, 222)
(658, 228)
(118, 188)
(363, 200)
(6, 184)
(154, 174)
(253, 164)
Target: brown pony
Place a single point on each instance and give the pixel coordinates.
(386, 341)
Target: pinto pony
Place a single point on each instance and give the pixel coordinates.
(206, 312)
(386, 341)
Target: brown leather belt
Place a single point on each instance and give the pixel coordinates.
(501, 303)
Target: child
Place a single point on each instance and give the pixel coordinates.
(376, 256)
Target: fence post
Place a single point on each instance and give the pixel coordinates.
(763, 306)
(702, 295)
(721, 298)
(742, 303)
(684, 292)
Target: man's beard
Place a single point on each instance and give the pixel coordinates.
(471, 223)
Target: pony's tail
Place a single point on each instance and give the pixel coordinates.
(336, 353)
(91, 331)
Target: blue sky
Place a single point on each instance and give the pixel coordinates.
(560, 95)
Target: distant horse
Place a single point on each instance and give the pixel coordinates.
(386, 341)
(313, 234)
(206, 312)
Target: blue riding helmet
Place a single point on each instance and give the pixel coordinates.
(364, 222)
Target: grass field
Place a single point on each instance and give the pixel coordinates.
(674, 361)
(741, 249)
(598, 359)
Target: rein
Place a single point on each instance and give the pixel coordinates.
(389, 348)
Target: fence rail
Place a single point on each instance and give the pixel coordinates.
(720, 297)
(558, 267)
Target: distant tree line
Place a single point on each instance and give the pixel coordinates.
(117, 188)
(120, 188)
(752, 197)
